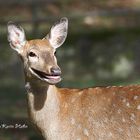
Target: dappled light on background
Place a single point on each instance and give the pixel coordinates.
(123, 68)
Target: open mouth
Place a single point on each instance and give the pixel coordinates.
(52, 79)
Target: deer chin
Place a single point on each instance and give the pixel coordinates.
(51, 79)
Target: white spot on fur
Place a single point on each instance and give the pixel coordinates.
(79, 126)
(119, 111)
(104, 108)
(135, 97)
(72, 121)
(128, 133)
(138, 107)
(127, 104)
(80, 93)
(120, 130)
(113, 93)
(132, 117)
(97, 88)
(65, 105)
(131, 89)
(123, 120)
(108, 99)
(86, 132)
(73, 99)
(110, 134)
(114, 105)
(124, 100)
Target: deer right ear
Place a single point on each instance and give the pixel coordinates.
(16, 36)
(58, 33)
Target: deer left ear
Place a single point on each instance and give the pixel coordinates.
(58, 33)
(16, 36)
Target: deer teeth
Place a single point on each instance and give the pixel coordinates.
(52, 77)
(48, 78)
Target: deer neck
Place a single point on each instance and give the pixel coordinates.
(43, 105)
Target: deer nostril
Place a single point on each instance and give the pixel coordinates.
(55, 71)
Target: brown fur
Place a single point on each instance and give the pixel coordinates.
(99, 113)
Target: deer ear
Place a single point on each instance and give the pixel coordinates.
(16, 36)
(58, 33)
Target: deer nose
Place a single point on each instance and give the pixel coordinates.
(55, 71)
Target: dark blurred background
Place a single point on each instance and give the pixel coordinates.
(102, 48)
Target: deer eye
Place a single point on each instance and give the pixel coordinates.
(32, 54)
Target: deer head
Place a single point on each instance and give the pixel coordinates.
(38, 55)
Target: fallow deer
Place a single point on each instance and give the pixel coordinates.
(98, 113)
